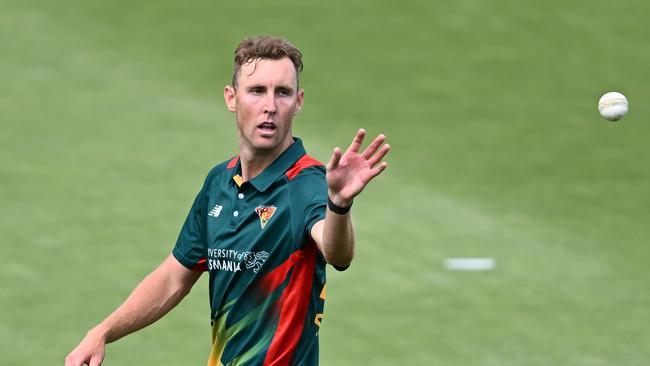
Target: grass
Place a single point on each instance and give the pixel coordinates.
(112, 115)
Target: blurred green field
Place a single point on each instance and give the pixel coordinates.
(111, 114)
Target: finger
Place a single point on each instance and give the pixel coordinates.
(96, 360)
(372, 148)
(69, 362)
(377, 170)
(335, 159)
(357, 141)
(73, 361)
(379, 156)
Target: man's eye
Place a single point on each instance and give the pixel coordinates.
(284, 92)
(256, 90)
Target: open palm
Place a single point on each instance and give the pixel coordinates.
(348, 173)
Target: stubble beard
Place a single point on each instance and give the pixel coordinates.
(263, 148)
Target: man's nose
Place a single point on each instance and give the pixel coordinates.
(270, 105)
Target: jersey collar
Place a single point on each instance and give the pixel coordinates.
(278, 167)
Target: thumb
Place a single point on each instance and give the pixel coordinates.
(335, 159)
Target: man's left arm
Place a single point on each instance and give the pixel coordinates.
(347, 175)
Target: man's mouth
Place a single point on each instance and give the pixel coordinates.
(267, 126)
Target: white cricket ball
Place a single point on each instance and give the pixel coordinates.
(613, 106)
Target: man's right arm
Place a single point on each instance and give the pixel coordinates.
(156, 295)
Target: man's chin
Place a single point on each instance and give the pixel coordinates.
(266, 144)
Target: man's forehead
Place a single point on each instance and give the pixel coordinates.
(263, 70)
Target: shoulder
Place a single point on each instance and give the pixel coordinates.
(308, 181)
(306, 168)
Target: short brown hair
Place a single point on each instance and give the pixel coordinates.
(265, 47)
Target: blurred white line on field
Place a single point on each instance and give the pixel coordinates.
(470, 264)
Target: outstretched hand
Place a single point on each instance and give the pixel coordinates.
(89, 352)
(348, 173)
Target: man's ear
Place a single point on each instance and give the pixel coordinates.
(301, 100)
(229, 95)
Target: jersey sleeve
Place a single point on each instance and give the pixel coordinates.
(190, 245)
(308, 201)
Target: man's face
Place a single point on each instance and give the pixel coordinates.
(265, 101)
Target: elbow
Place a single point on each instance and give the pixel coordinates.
(340, 262)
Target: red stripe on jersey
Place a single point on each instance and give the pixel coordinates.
(201, 265)
(294, 303)
(303, 163)
(273, 279)
(233, 162)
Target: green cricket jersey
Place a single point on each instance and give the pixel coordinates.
(267, 277)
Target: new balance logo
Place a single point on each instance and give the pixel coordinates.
(215, 211)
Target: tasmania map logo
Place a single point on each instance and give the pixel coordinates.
(265, 213)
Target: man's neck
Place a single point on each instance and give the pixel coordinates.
(254, 162)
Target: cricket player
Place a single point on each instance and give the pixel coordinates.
(264, 226)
